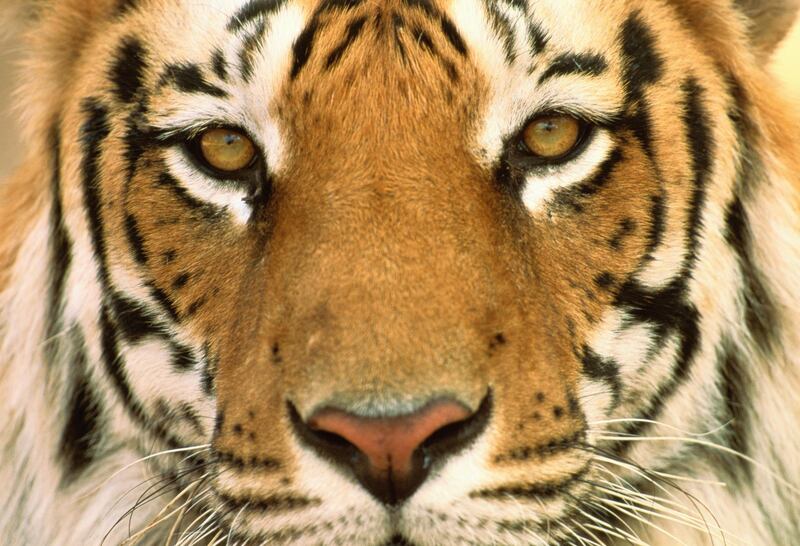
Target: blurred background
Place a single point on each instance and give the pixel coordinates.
(786, 65)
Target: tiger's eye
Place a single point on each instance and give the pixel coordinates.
(552, 137)
(227, 150)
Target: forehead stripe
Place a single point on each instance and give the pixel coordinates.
(354, 29)
(188, 77)
(583, 64)
(254, 10)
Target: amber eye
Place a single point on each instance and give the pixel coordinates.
(226, 150)
(553, 136)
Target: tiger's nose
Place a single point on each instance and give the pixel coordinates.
(392, 456)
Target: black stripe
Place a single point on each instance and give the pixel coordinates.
(340, 5)
(114, 368)
(453, 36)
(421, 38)
(183, 359)
(254, 9)
(210, 364)
(537, 39)
(219, 65)
(736, 392)
(206, 210)
(354, 29)
(125, 6)
(760, 311)
(164, 300)
(426, 6)
(128, 68)
(572, 197)
(582, 64)
(135, 239)
(134, 321)
(641, 64)
(94, 131)
(605, 370)
(188, 77)
(504, 29)
(669, 309)
(84, 417)
(303, 46)
(641, 67)
(252, 45)
(60, 250)
(658, 222)
(626, 228)
(536, 492)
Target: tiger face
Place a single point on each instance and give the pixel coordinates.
(407, 271)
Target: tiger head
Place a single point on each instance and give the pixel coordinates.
(411, 271)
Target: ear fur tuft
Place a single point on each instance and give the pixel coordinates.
(769, 21)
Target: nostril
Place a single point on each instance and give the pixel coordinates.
(392, 456)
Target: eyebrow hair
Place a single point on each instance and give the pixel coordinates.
(585, 64)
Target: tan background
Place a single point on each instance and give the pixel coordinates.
(787, 66)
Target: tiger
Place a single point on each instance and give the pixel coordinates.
(401, 272)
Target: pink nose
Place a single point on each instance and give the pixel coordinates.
(389, 443)
(392, 456)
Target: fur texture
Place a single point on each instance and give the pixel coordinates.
(629, 316)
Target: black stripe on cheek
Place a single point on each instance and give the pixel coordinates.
(423, 40)
(759, 309)
(453, 36)
(112, 361)
(188, 77)
(736, 393)
(701, 148)
(127, 71)
(135, 239)
(206, 210)
(354, 29)
(134, 321)
(581, 64)
(254, 9)
(60, 248)
(94, 131)
(183, 359)
(605, 370)
(658, 211)
(303, 46)
(164, 300)
(85, 421)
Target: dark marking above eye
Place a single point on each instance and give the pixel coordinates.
(219, 65)
(254, 9)
(503, 28)
(127, 70)
(581, 64)
(188, 78)
(537, 39)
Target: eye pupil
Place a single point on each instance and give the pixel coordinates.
(226, 150)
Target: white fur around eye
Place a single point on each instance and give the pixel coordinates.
(207, 189)
(541, 186)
